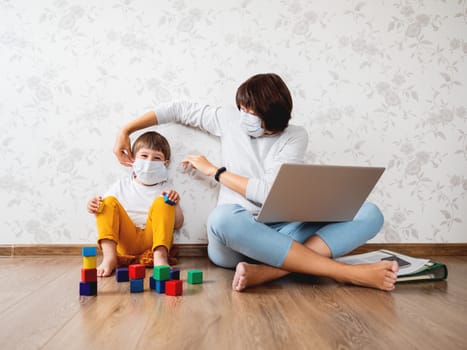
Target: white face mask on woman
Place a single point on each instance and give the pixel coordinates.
(150, 172)
(251, 124)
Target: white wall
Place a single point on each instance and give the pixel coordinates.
(374, 82)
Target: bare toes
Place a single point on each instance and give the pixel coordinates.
(239, 282)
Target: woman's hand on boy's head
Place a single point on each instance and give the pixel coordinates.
(122, 149)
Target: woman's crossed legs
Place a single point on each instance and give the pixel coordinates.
(236, 239)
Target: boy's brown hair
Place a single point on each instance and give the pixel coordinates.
(152, 140)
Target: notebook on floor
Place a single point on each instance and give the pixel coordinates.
(318, 193)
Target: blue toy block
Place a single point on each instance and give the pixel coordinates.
(160, 287)
(174, 274)
(137, 286)
(167, 200)
(89, 251)
(121, 274)
(88, 288)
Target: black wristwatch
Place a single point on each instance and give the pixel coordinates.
(219, 172)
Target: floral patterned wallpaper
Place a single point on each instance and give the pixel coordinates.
(374, 82)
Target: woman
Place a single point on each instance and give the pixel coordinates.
(256, 139)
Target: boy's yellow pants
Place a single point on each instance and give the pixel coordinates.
(113, 223)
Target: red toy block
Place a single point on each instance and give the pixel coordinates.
(136, 272)
(88, 275)
(174, 287)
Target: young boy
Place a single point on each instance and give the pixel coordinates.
(134, 217)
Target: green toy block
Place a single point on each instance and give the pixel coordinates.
(195, 276)
(161, 273)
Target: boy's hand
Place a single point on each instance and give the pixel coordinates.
(172, 195)
(93, 205)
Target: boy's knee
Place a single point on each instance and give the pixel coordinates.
(158, 201)
(110, 200)
(160, 204)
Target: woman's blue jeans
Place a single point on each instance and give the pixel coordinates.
(234, 235)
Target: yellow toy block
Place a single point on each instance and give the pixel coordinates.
(101, 207)
(89, 262)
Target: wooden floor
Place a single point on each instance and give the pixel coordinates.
(40, 309)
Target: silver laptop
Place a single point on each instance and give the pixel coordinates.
(318, 193)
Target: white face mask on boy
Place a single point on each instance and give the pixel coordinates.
(251, 124)
(150, 172)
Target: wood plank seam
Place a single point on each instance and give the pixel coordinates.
(200, 249)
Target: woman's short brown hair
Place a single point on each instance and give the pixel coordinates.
(269, 98)
(152, 140)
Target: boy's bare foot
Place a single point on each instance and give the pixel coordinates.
(109, 261)
(106, 267)
(161, 256)
(247, 275)
(381, 275)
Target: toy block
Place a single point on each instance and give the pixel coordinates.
(137, 285)
(88, 288)
(195, 276)
(167, 200)
(88, 275)
(174, 287)
(160, 286)
(89, 262)
(152, 283)
(174, 274)
(161, 273)
(137, 271)
(121, 274)
(89, 251)
(101, 207)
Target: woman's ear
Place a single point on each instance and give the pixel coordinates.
(166, 163)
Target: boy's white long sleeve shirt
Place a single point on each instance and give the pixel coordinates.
(258, 159)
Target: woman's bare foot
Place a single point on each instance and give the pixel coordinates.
(381, 275)
(161, 256)
(247, 275)
(107, 266)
